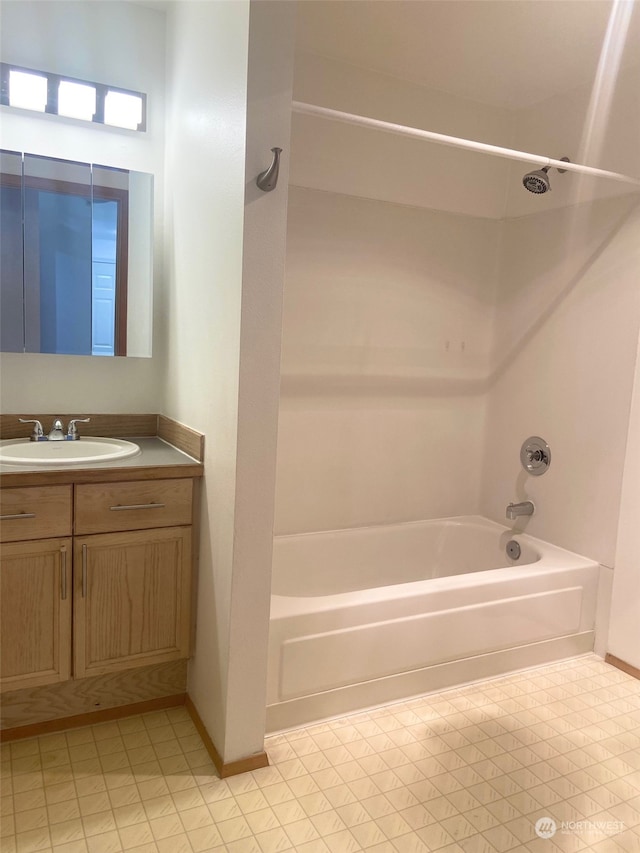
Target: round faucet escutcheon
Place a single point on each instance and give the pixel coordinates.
(535, 456)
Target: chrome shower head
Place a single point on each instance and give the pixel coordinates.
(538, 182)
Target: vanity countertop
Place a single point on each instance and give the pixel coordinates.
(157, 460)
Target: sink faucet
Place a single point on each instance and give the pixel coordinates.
(57, 431)
(524, 508)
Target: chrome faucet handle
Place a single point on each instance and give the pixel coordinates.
(72, 429)
(38, 432)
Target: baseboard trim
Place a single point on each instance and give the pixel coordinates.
(104, 715)
(232, 768)
(623, 665)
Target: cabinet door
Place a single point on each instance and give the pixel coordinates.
(35, 609)
(131, 599)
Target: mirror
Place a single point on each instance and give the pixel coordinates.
(75, 257)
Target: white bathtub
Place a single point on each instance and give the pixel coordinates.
(370, 615)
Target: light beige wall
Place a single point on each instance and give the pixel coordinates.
(567, 316)
(121, 44)
(225, 260)
(270, 74)
(567, 323)
(623, 137)
(205, 140)
(391, 269)
(357, 161)
(597, 126)
(391, 275)
(624, 625)
(386, 346)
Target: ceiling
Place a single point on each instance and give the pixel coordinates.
(508, 53)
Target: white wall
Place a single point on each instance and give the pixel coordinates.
(121, 44)
(624, 625)
(225, 260)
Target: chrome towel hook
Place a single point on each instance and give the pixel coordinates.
(268, 179)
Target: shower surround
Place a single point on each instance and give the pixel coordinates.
(435, 315)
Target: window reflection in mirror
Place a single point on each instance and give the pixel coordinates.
(11, 256)
(66, 271)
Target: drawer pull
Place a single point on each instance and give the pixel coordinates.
(84, 571)
(16, 515)
(136, 506)
(63, 573)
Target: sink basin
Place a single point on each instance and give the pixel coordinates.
(21, 451)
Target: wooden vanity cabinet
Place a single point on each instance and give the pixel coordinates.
(123, 581)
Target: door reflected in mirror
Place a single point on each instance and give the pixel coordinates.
(76, 257)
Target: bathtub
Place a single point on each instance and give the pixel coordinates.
(371, 615)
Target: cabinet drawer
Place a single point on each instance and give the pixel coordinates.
(35, 512)
(107, 507)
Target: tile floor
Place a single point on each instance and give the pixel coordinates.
(468, 770)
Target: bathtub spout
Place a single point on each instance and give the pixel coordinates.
(524, 508)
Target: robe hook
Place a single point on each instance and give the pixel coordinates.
(268, 179)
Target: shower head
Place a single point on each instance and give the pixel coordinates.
(538, 181)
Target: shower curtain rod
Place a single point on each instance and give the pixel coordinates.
(457, 142)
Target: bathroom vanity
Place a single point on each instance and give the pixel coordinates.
(96, 580)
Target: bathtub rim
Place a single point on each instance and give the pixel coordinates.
(553, 559)
(376, 525)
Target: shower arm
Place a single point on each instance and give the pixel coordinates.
(458, 142)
